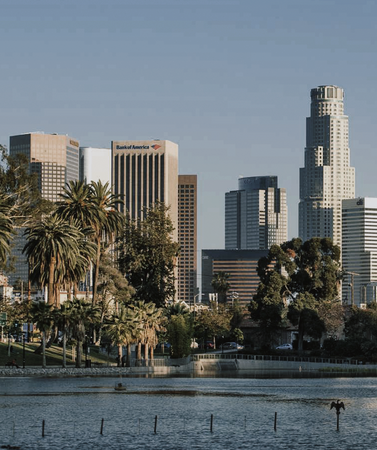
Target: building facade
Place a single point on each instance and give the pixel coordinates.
(95, 164)
(144, 172)
(241, 265)
(54, 158)
(327, 178)
(187, 238)
(359, 250)
(256, 215)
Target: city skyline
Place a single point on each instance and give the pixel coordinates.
(228, 81)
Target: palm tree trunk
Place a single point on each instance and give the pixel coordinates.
(50, 294)
(57, 294)
(138, 356)
(78, 354)
(64, 348)
(96, 271)
(128, 360)
(43, 349)
(119, 355)
(152, 352)
(146, 356)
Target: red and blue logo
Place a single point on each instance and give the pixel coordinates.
(155, 146)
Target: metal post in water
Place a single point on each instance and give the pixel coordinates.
(211, 423)
(139, 426)
(43, 428)
(275, 422)
(102, 425)
(155, 425)
(245, 422)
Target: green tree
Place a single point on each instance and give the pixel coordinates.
(92, 206)
(110, 221)
(147, 255)
(124, 328)
(52, 245)
(268, 304)
(151, 320)
(6, 230)
(221, 285)
(113, 288)
(43, 317)
(179, 335)
(302, 275)
(20, 189)
(82, 315)
(214, 321)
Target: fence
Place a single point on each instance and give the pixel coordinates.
(290, 358)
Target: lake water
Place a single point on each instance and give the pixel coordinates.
(243, 413)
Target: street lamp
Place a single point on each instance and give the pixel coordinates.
(234, 296)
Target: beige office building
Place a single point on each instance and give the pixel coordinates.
(55, 158)
(144, 172)
(187, 238)
(327, 177)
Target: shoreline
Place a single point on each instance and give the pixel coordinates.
(185, 371)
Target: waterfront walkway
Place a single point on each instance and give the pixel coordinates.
(208, 364)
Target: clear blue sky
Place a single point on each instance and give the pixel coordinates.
(228, 80)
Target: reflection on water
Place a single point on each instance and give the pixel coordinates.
(243, 412)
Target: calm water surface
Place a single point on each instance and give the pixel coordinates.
(243, 411)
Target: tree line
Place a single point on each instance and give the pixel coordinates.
(131, 261)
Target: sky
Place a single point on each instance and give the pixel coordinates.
(227, 80)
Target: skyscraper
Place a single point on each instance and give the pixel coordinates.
(327, 177)
(95, 165)
(359, 250)
(55, 158)
(144, 172)
(256, 214)
(187, 237)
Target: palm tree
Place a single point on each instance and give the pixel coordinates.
(81, 314)
(6, 229)
(42, 314)
(77, 271)
(52, 247)
(124, 329)
(151, 319)
(109, 221)
(62, 318)
(221, 285)
(92, 206)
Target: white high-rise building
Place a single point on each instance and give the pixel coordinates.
(327, 177)
(359, 250)
(95, 165)
(256, 216)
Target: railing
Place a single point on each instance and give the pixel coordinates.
(290, 358)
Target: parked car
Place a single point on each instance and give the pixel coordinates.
(209, 345)
(285, 347)
(231, 346)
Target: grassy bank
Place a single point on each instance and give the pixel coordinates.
(54, 355)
